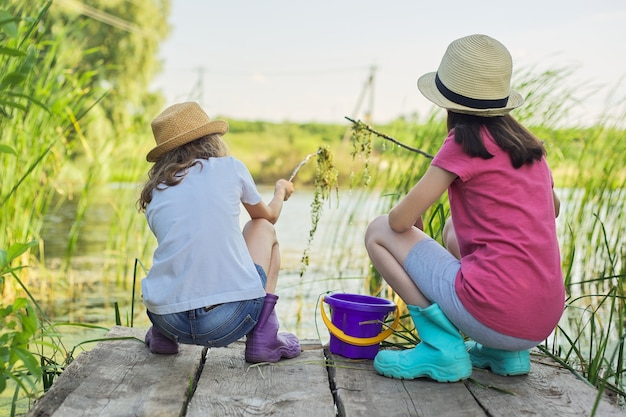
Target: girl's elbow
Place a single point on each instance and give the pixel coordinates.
(396, 226)
(272, 216)
(399, 222)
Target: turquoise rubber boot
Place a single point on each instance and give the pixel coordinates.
(501, 362)
(441, 355)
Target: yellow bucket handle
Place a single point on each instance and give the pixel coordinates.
(358, 341)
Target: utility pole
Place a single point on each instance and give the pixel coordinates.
(368, 87)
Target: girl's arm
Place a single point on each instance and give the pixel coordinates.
(408, 212)
(271, 211)
(557, 204)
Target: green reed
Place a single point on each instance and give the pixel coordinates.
(590, 337)
(42, 107)
(44, 138)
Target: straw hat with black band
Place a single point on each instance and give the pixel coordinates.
(180, 124)
(474, 77)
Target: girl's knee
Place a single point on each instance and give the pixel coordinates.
(375, 228)
(259, 230)
(260, 225)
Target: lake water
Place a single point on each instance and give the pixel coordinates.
(338, 261)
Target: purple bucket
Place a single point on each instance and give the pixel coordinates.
(356, 324)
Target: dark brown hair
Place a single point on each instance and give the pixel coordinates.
(170, 168)
(517, 141)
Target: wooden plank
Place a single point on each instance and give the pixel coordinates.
(229, 386)
(122, 378)
(548, 390)
(361, 391)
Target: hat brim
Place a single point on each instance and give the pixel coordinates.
(427, 86)
(215, 126)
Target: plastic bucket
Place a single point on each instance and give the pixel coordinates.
(356, 323)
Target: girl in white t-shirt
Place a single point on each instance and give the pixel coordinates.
(210, 283)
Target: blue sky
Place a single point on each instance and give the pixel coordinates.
(292, 60)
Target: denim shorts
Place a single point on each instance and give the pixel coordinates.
(434, 271)
(212, 326)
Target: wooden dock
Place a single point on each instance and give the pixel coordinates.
(122, 378)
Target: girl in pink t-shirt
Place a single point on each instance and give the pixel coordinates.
(499, 279)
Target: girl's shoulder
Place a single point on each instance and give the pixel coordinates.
(223, 161)
(225, 165)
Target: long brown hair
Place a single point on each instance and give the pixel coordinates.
(521, 145)
(171, 168)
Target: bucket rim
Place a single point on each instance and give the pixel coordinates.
(359, 302)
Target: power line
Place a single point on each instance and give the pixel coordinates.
(273, 73)
(102, 17)
(197, 91)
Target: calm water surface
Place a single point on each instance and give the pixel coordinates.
(86, 294)
(338, 262)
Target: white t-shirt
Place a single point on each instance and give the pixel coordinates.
(201, 258)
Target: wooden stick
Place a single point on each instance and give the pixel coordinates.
(382, 135)
(304, 161)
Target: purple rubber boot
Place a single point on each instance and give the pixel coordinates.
(159, 343)
(264, 343)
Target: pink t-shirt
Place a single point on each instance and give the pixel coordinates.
(510, 278)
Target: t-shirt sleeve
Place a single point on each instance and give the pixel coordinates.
(452, 158)
(249, 192)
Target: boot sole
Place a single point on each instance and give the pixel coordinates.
(437, 375)
(487, 364)
(272, 358)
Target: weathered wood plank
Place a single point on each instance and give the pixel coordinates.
(229, 386)
(360, 391)
(122, 378)
(548, 390)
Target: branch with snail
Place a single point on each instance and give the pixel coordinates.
(360, 125)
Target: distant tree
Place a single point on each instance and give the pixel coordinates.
(118, 40)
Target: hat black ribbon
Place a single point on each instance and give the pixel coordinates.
(474, 103)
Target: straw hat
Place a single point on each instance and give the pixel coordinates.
(474, 77)
(180, 124)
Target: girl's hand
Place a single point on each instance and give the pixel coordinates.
(271, 211)
(284, 186)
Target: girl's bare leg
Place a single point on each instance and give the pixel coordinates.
(260, 237)
(450, 240)
(388, 250)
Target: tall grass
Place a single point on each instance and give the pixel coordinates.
(591, 335)
(44, 137)
(46, 157)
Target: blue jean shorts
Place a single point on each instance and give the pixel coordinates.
(212, 326)
(434, 270)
